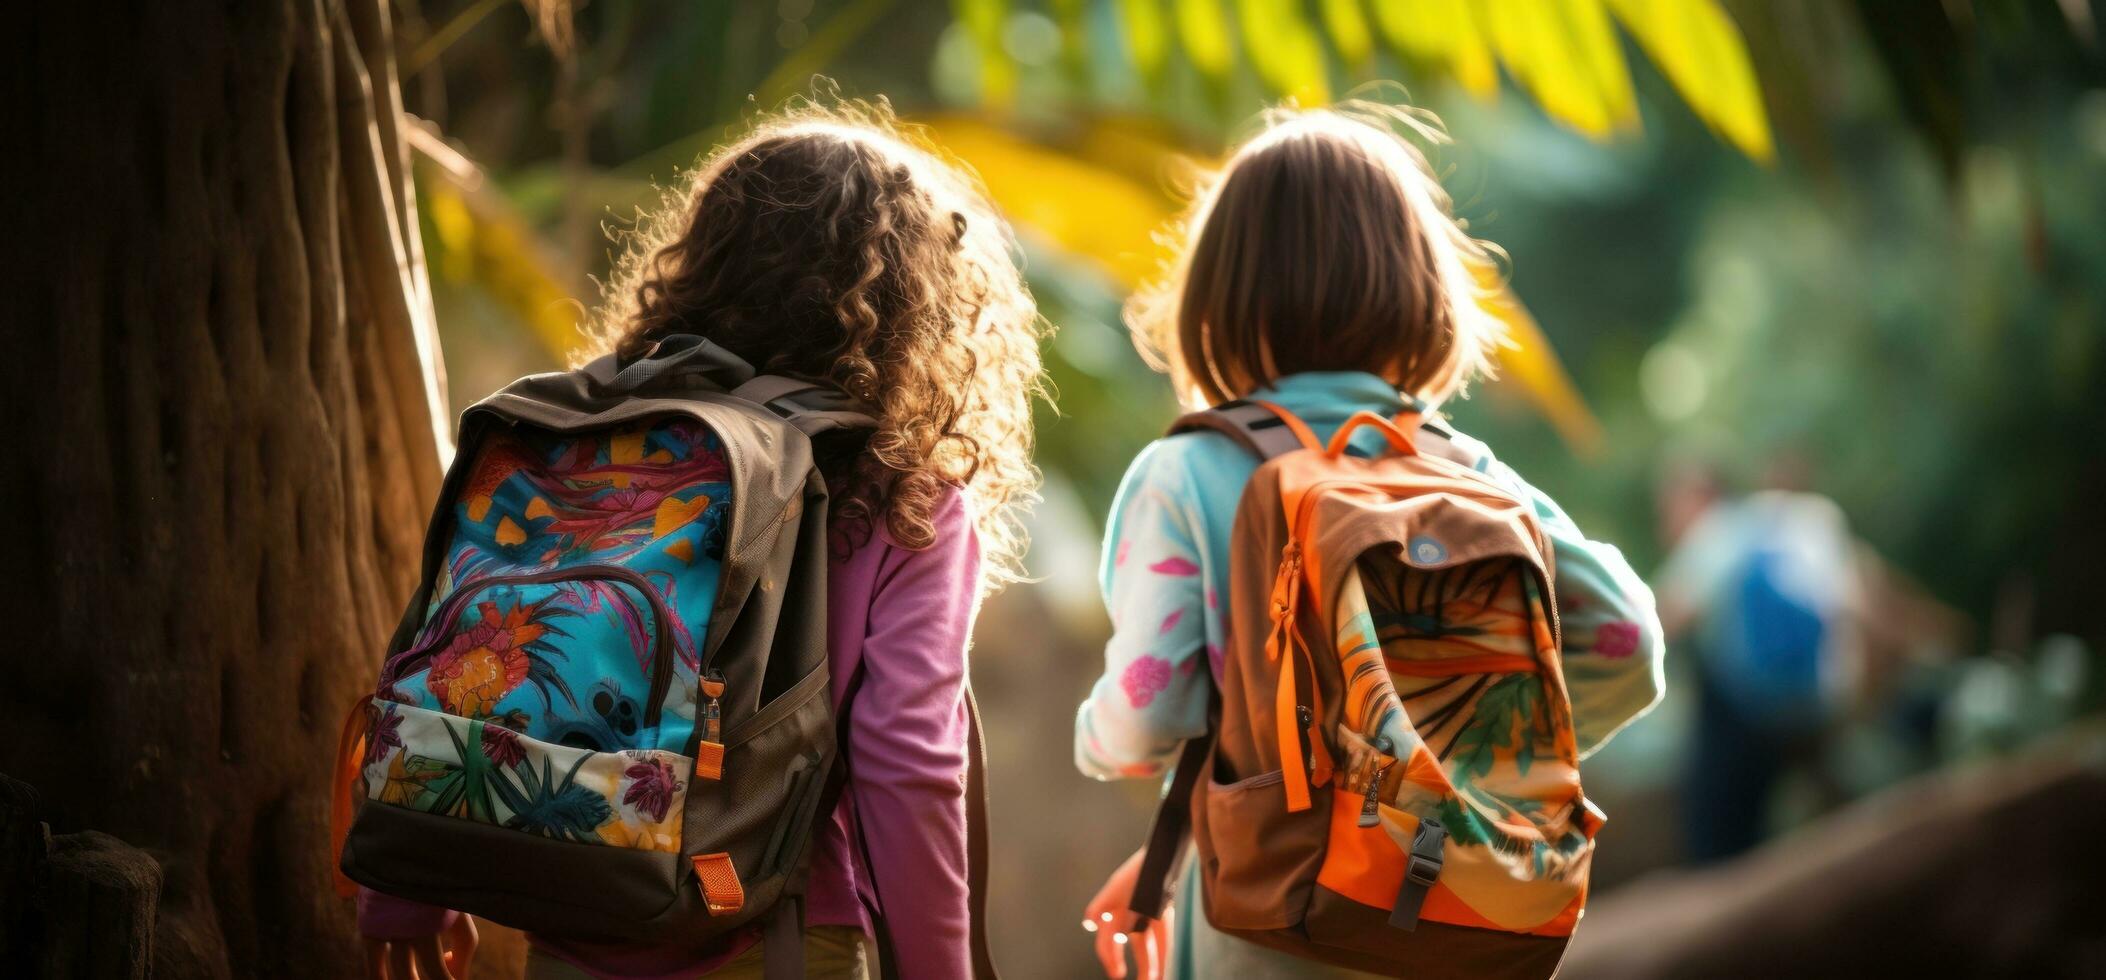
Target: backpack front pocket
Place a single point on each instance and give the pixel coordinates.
(1252, 844)
(581, 655)
(451, 766)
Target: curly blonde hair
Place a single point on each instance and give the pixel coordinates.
(833, 244)
(1324, 244)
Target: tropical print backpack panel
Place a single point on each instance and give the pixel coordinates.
(580, 570)
(1443, 668)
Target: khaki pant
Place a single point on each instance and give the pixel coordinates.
(830, 952)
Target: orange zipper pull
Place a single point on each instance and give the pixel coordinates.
(709, 750)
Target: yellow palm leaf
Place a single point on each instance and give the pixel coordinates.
(1085, 209)
(983, 20)
(1147, 38)
(1565, 53)
(1700, 51)
(1347, 25)
(1093, 210)
(1528, 361)
(1204, 33)
(1445, 33)
(479, 238)
(1285, 50)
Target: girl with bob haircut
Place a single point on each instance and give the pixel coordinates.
(831, 244)
(1320, 269)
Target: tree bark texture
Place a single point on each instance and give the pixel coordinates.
(224, 425)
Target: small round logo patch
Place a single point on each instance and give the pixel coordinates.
(1426, 551)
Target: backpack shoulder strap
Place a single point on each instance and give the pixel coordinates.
(1262, 428)
(1162, 862)
(975, 837)
(813, 408)
(1266, 430)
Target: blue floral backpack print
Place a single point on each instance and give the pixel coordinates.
(605, 715)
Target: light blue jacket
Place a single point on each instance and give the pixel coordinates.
(1166, 565)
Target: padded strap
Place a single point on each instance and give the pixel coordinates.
(975, 838)
(1164, 858)
(1260, 428)
(782, 940)
(1265, 430)
(813, 408)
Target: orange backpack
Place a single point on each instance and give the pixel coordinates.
(1392, 782)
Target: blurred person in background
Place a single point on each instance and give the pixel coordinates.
(1791, 622)
(1763, 589)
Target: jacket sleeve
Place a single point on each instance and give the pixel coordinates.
(908, 729)
(1153, 692)
(1613, 650)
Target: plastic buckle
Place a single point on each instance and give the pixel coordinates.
(1424, 871)
(1426, 852)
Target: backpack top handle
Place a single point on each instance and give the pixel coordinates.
(1265, 429)
(1397, 431)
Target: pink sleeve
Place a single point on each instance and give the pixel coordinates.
(382, 916)
(907, 732)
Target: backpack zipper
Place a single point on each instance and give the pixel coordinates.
(661, 637)
(713, 710)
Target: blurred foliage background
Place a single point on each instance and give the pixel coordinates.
(1869, 237)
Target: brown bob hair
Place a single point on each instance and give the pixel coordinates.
(1324, 244)
(831, 243)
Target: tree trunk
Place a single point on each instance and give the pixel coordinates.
(225, 417)
(1986, 871)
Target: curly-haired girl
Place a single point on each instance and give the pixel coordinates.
(831, 245)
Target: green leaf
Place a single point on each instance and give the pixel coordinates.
(1565, 53)
(1203, 31)
(1147, 37)
(1347, 25)
(1285, 50)
(1448, 34)
(841, 29)
(983, 20)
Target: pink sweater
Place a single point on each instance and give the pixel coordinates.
(903, 617)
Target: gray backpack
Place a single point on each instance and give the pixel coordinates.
(606, 714)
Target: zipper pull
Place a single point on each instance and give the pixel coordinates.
(709, 749)
(713, 712)
(1371, 804)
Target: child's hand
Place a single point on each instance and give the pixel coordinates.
(1117, 930)
(439, 956)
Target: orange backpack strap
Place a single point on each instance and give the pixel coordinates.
(350, 752)
(1262, 428)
